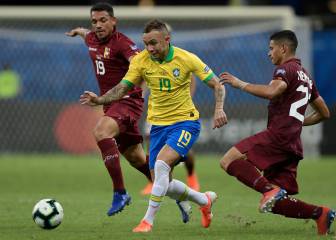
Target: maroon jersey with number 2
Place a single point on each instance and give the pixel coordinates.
(277, 150)
(110, 63)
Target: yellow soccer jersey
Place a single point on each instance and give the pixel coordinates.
(169, 84)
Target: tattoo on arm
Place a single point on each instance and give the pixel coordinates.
(219, 96)
(219, 92)
(114, 94)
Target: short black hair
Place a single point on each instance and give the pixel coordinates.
(103, 6)
(286, 36)
(156, 24)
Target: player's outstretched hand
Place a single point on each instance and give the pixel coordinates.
(220, 119)
(76, 31)
(72, 33)
(88, 98)
(228, 78)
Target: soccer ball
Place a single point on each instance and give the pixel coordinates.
(48, 213)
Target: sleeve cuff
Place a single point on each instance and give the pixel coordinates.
(128, 83)
(208, 78)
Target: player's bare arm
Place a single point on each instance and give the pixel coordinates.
(116, 93)
(320, 113)
(220, 118)
(78, 32)
(271, 91)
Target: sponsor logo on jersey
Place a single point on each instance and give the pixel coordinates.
(280, 71)
(107, 52)
(206, 69)
(180, 145)
(176, 72)
(92, 49)
(148, 73)
(134, 47)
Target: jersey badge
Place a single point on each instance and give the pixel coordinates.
(176, 72)
(280, 71)
(107, 52)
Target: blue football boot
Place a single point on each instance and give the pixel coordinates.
(185, 209)
(119, 202)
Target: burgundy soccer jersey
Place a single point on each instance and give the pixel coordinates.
(286, 113)
(110, 60)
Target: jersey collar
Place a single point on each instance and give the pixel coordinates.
(169, 56)
(294, 59)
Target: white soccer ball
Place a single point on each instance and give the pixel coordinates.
(48, 213)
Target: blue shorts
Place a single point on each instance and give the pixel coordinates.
(180, 136)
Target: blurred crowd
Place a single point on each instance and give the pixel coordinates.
(323, 12)
(302, 7)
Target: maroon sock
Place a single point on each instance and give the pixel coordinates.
(145, 169)
(294, 208)
(245, 172)
(110, 154)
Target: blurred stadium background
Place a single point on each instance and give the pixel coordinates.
(41, 113)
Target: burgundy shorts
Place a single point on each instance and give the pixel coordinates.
(279, 166)
(127, 113)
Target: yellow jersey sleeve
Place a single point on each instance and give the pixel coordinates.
(200, 69)
(133, 75)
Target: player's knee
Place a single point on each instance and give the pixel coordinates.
(224, 163)
(135, 156)
(135, 160)
(231, 155)
(227, 160)
(100, 132)
(105, 128)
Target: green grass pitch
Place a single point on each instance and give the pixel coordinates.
(81, 184)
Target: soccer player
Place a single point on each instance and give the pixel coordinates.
(167, 71)
(189, 163)
(277, 150)
(117, 131)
